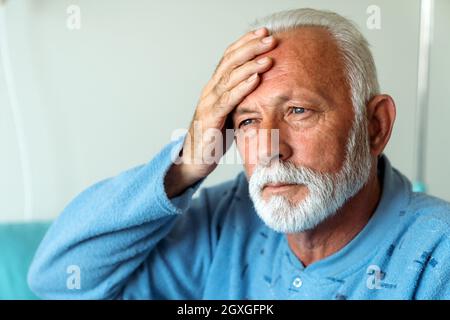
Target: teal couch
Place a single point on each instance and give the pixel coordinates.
(18, 243)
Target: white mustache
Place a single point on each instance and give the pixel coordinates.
(285, 173)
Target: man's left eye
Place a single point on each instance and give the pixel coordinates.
(298, 110)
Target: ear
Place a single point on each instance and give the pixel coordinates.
(381, 113)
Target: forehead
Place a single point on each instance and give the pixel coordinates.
(305, 60)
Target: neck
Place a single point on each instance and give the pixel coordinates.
(337, 231)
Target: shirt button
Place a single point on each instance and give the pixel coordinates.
(297, 282)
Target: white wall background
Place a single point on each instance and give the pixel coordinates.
(107, 97)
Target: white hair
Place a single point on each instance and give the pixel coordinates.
(358, 61)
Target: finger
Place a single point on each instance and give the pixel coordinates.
(230, 99)
(238, 57)
(258, 33)
(230, 79)
(245, 53)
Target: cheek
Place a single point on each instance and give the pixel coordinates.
(321, 151)
(247, 145)
(244, 150)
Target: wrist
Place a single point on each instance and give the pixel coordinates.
(178, 178)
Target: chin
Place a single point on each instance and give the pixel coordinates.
(279, 214)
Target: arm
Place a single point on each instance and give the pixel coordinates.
(124, 235)
(110, 229)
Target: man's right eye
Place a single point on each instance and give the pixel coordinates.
(246, 122)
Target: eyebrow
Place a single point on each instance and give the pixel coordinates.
(243, 110)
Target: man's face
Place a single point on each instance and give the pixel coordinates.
(306, 97)
(307, 73)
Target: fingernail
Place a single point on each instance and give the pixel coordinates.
(252, 77)
(268, 39)
(263, 60)
(260, 31)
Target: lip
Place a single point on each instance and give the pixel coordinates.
(278, 187)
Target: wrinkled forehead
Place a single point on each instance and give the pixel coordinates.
(307, 58)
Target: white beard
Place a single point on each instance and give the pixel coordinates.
(326, 192)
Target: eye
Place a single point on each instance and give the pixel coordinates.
(246, 122)
(298, 110)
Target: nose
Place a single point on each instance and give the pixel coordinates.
(272, 144)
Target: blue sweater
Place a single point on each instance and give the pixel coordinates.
(124, 239)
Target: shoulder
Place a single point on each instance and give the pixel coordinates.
(425, 225)
(430, 212)
(429, 237)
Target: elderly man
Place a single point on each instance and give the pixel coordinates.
(320, 214)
